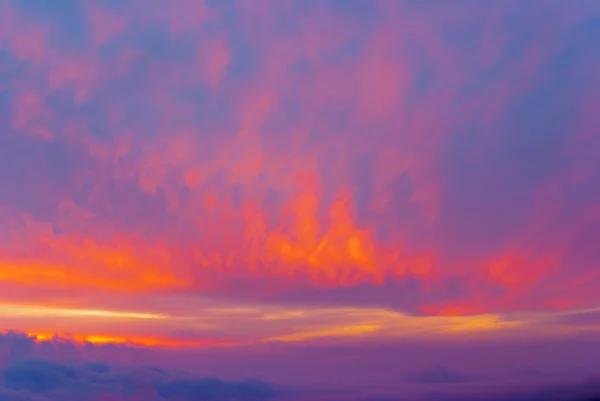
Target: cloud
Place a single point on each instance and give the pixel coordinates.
(39, 376)
(437, 374)
(587, 390)
(11, 395)
(589, 318)
(216, 389)
(64, 370)
(429, 159)
(59, 381)
(36, 380)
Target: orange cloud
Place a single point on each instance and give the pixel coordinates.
(132, 341)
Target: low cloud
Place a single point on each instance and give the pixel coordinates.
(34, 380)
(61, 370)
(435, 374)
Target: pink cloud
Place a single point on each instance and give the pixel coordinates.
(213, 60)
(106, 24)
(31, 116)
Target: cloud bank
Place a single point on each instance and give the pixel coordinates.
(43, 380)
(64, 370)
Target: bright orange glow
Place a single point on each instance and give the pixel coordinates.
(342, 254)
(66, 275)
(344, 331)
(134, 341)
(452, 310)
(38, 311)
(329, 249)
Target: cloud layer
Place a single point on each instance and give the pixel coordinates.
(281, 178)
(62, 370)
(194, 146)
(43, 380)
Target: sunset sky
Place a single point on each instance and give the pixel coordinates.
(371, 198)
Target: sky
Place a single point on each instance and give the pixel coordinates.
(299, 200)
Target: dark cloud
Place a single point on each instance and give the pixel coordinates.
(64, 371)
(11, 395)
(16, 347)
(215, 389)
(588, 390)
(40, 376)
(33, 380)
(436, 374)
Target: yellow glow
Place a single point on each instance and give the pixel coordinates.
(129, 340)
(264, 322)
(478, 323)
(14, 310)
(345, 331)
(285, 315)
(383, 323)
